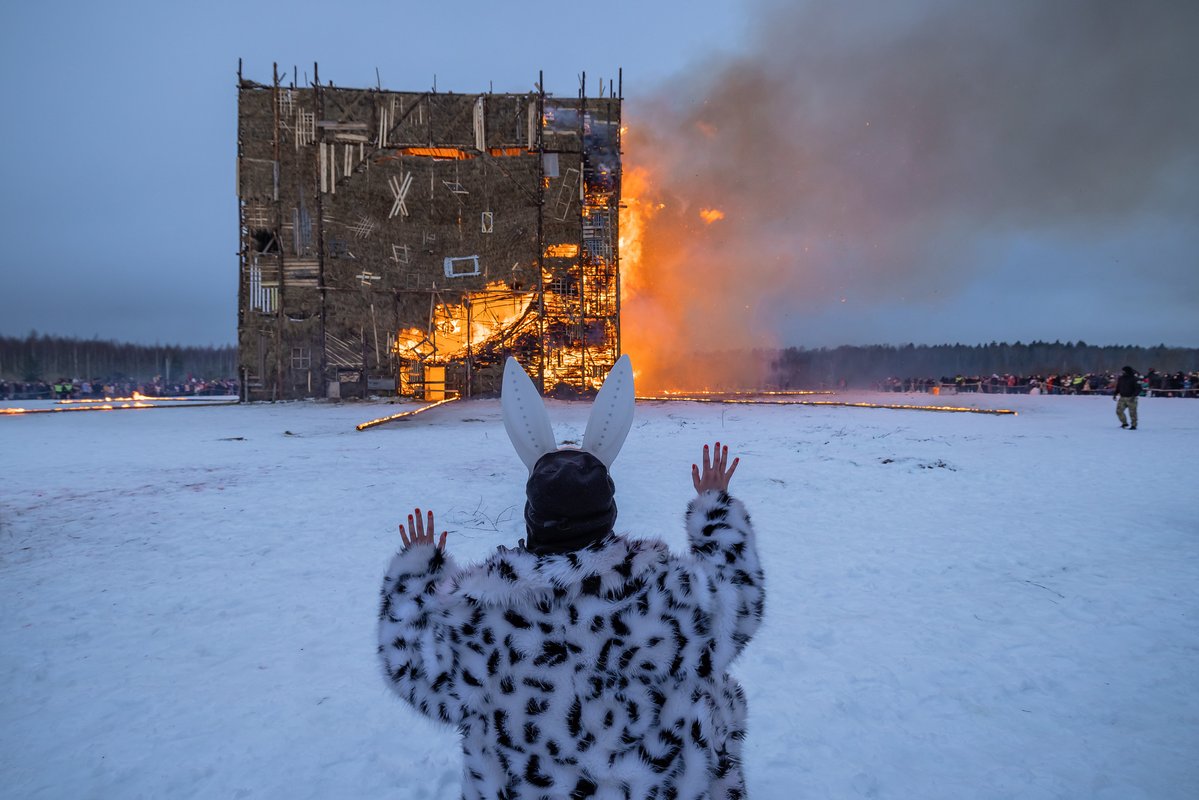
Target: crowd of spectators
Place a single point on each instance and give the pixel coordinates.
(1154, 383)
(85, 389)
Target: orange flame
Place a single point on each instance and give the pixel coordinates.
(492, 310)
(446, 153)
(635, 214)
(687, 316)
(569, 250)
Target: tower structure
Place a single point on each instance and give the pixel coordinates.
(411, 241)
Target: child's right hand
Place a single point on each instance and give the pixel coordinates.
(714, 475)
(416, 533)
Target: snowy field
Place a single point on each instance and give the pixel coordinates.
(959, 606)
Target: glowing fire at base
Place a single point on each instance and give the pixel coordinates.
(672, 394)
(135, 397)
(101, 407)
(115, 405)
(134, 400)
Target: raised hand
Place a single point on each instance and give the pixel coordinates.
(715, 475)
(418, 533)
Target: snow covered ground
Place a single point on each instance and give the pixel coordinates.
(960, 606)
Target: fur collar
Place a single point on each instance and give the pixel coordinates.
(513, 577)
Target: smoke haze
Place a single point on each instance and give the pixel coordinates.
(943, 171)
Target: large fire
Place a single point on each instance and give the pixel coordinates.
(678, 322)
(637, 287)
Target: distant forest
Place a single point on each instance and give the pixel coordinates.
(49, 358)
(797, 367)
(44, 357)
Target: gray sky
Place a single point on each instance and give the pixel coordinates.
(927, 171)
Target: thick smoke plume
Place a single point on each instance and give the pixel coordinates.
(878, 158)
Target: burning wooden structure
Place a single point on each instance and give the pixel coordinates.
(410, 241)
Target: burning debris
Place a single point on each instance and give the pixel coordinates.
(374, 423)
(137, 401)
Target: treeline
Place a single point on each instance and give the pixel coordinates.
(798, 367)
(50, 358)
(41, 357)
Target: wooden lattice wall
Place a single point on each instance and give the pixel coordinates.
(387, 237)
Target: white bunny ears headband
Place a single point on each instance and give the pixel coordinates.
(528, 423)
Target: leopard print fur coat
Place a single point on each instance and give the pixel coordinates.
(595, 674)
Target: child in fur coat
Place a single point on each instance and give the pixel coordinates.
(584, 664)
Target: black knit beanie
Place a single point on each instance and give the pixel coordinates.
(571, 503)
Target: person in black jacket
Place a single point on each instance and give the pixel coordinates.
(1128, 388)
